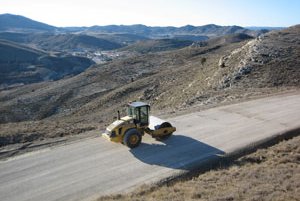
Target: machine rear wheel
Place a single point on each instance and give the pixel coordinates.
(165, 125)
(132, 138)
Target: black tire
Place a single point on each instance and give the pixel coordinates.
(164, 137)
(132, 138)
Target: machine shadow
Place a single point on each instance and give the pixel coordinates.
(177, 152)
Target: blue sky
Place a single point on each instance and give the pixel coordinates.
(157, 12)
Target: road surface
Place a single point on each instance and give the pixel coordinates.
(92, 167)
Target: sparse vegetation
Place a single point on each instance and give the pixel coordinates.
(171, 81)
(203, 60)
(267, 174)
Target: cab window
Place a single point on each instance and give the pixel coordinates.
(144, 115)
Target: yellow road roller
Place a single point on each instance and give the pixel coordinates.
(129, 130)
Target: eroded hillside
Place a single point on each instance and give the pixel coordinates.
(271, 60)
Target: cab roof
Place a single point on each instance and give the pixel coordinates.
(138, 104)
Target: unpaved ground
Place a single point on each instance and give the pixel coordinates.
(268, 174)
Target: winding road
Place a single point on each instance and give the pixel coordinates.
(87, 169)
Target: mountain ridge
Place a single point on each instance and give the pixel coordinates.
(10, 22)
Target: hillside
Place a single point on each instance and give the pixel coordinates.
(23, 65)
(218, 41)
(62, 42)
(158, 45)
(9, 22)
(271, 60)
(124, 39)
(69, 42)
(218, 72)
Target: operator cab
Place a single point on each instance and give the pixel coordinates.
(140, 112)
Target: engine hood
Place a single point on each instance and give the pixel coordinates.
(119, 122)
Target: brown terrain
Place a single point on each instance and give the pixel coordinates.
(202, 75)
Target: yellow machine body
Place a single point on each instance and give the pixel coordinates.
(130, 129)
(115, 132)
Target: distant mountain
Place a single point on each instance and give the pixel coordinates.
(265, 28)
(133, 29)
(22, 65)
(9, 22)
(20, 24)
(210, 30)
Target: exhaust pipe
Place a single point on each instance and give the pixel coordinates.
(119, 117)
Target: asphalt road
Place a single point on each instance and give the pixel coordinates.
(93, 167)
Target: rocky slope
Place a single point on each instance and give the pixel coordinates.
(271, 60)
